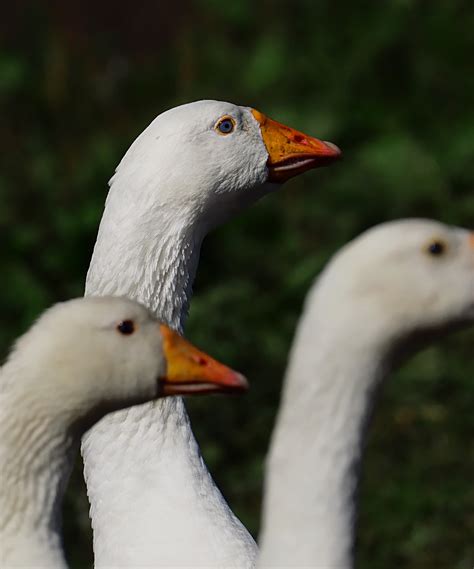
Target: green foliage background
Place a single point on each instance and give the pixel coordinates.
(391, 82)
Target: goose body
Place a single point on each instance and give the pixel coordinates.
(81, 359)
(194, 167)
(381, 298)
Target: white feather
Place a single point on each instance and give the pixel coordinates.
(378, 297)
(153, 501)
(65, 373)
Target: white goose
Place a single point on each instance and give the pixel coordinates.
(191, 169)
(381, 298)
(81, 359)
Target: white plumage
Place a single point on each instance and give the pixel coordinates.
(381, 298)
(180, 178)
(64, 374)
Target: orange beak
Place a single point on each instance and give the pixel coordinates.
(291, 152)
(190, 371)
(471, 239)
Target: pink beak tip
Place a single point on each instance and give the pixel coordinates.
(335, 150)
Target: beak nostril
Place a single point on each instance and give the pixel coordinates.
(200, 360)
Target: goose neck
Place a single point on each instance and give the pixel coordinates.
(312, 466)
(153, 262)
(36, 456)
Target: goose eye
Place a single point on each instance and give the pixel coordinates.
(126, 327)
(436, 248)
(225, 125)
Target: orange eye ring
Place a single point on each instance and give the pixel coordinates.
(225, 125)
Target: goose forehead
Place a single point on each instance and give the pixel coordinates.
(198, 113)
(96, 311)
(390, 246)
(411, 228)
(400, 236)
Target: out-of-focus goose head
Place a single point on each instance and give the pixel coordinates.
(402, 279)
(109, 352)
(80, 360)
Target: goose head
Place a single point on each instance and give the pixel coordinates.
(205, 160)
(93, 355)
(400, 281)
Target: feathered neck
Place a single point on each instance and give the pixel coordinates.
(312, 466)
(36, 455)
(154, 263)
(153, 501)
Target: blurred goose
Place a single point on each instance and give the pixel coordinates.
(194, 167)
(82, 359)
(382, 298)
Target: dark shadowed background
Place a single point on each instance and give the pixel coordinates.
(391, 82)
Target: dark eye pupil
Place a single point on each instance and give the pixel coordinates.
(126, 327)
(436, 248)
(226, 126)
